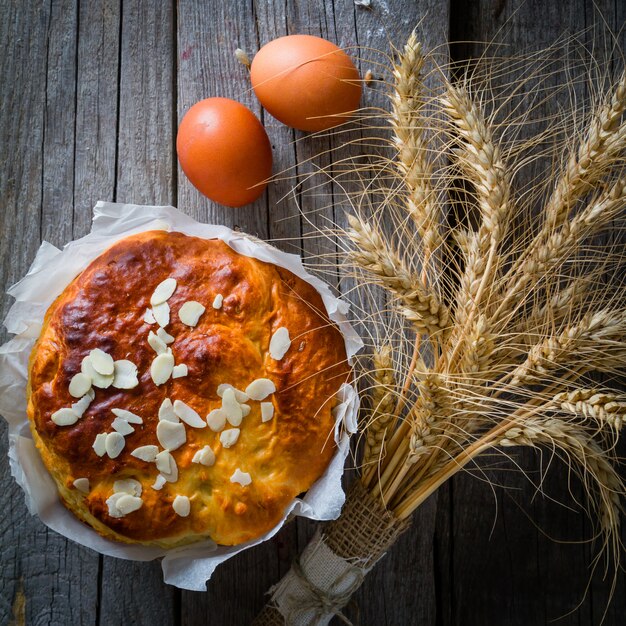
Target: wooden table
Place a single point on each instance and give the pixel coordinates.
(91, 96)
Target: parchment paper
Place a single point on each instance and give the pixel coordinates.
(52, 270)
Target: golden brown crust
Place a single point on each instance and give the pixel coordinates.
(104, 308)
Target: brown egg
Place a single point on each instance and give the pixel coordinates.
(306, 82)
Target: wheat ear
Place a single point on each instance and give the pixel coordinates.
(604, 408)
(408, 136)
(374, 255)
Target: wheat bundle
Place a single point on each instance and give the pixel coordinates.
(502, 302)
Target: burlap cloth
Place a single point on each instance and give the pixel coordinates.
(333, 565)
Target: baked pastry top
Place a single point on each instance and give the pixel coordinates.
(180, 391)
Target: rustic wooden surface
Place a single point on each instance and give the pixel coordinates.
(90, 97)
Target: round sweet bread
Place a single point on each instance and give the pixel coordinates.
(180, 391)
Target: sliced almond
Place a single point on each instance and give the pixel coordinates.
(79, 385)
(164, 291)
(181, 506)
(170, 435)
(127, 504)
(83, 404)
(97, 380)
(82, 484)
(205, 456)
(163, 461)
(260, 388)
(131, 418)
(279, 343)
(216, 420)
(127, 485)
(267, 411)
(64, 417)
(188, 415)
(161, 368)
(180, 370)
(240, 396)
(101, 361)
(243, 478)
(245, 409)
(229, 437)
(159, 482)
(231, 407)
(156, 343)
(125, 374)
(166, 411)
(219, 300)
(112, 504)
(164, 336)
(122, 427)
(161, 314)
(114, 444)
(190, 312)
(145, 453)
(148, 317)
(99, 444)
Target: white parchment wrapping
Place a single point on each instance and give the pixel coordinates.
(188, 567)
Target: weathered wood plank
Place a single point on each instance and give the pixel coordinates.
(145, 174)
(45, 578)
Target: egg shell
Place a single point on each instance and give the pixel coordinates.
(306, 82)
(224, 151)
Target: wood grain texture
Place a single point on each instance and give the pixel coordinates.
(91, 94)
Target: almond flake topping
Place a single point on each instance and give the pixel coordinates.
(163, 291)
(166, 464)
(127, 485)
(181, 506)
(279, 343)
(231, 407)
(97, 380)
(122, 426)
(161, 314)
(159, 482)
(114, 444)
(145, 453)
(219, 300)
(170, 435)
(131, 418)
(188, 415)
(99, 444)
(64, 417)
(156, 343)
(243, 478)
(127, 504)
(148, 317)
(260, 388)
(205, 456)
(240, 396)
(267, 411)
(83, 404)
(190, 312)
(216, 420)
(125, 374)
(79, 385)
(164, 336)
(166, 412)
(82, 484)
(161, 368)
(229, 437)
(180, 370)
(101, 361)
(112, 504)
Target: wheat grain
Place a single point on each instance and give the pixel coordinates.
(605, 408)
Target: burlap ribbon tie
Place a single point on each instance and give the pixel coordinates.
(329, 602)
